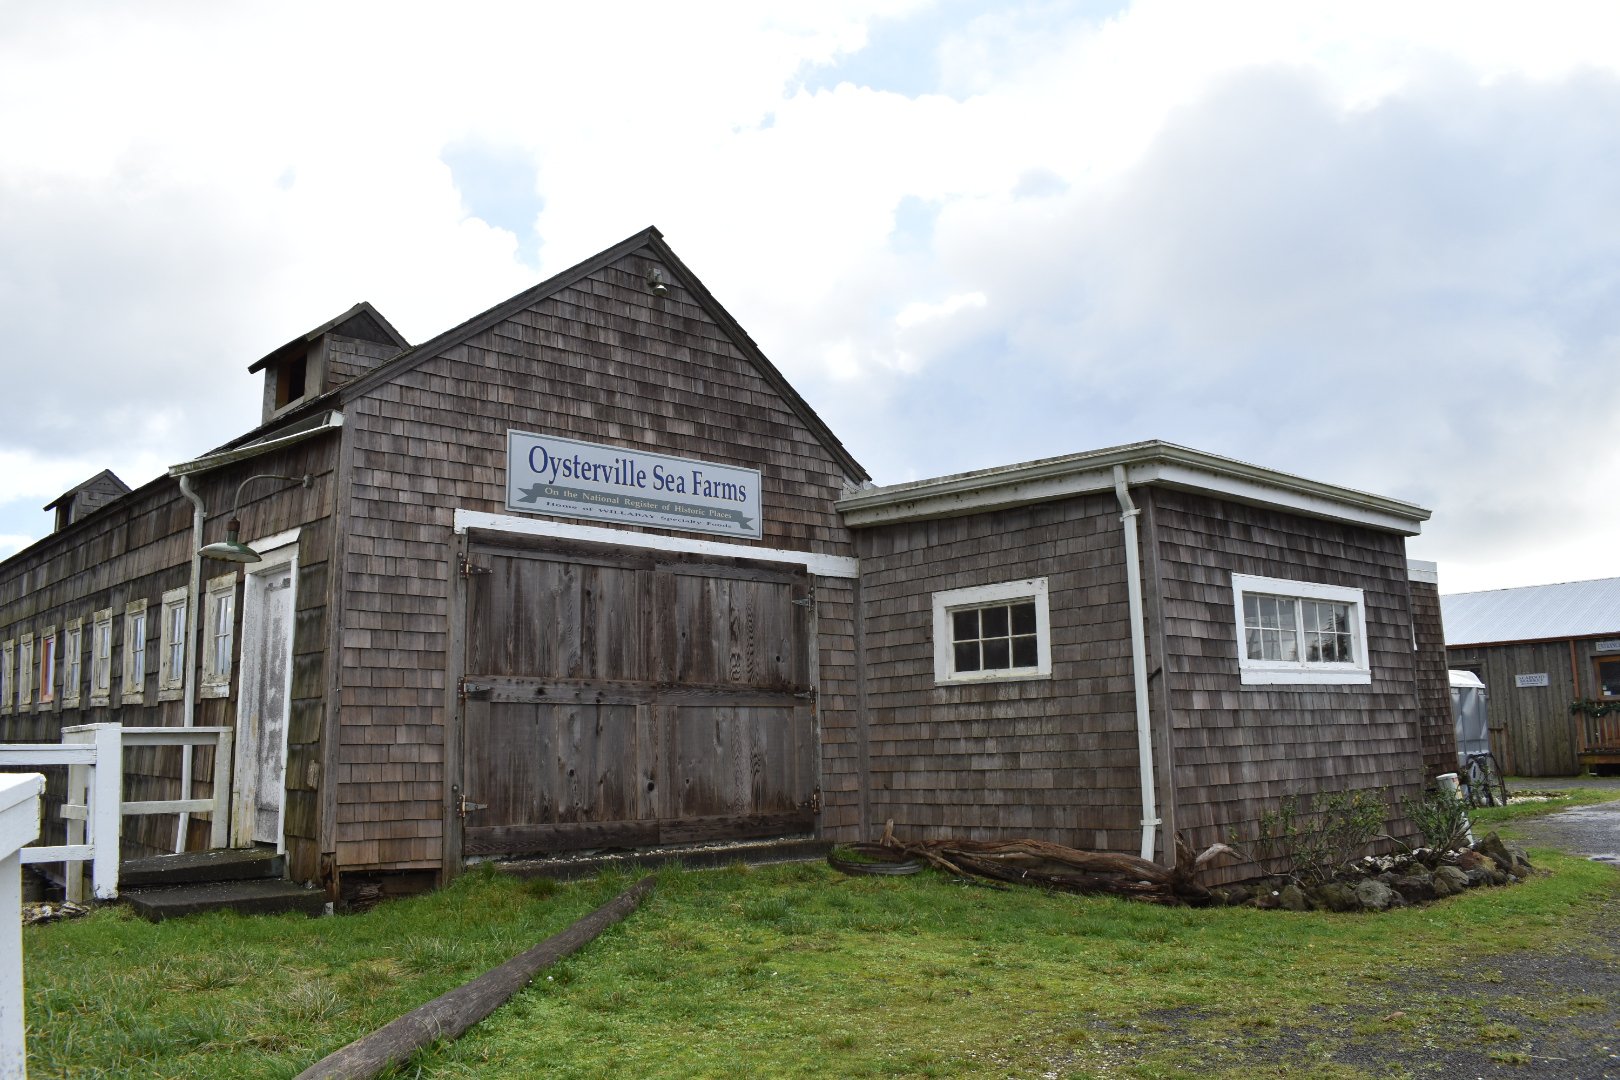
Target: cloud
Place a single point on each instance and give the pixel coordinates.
(1372, 243)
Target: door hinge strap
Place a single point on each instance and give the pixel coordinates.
(805, 602)
(468, 568)
(465, 689)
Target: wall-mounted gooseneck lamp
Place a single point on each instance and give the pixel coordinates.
(231, 549)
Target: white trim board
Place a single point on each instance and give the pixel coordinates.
(1154, 462)
(832, 566)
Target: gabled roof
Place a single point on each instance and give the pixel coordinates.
(1151, 462)
(649, 238)
(1571, 609)
(361, 321)
(103, 481)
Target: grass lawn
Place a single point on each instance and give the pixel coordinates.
(781, 971)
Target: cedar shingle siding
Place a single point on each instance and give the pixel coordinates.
(385, 663)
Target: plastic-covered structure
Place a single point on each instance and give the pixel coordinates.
(1468, 709)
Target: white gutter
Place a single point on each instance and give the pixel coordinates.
(1144, 729)
(192, 608)
(1155, 462)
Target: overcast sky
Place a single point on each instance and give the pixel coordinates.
(1375, 244)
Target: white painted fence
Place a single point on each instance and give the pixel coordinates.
(94, 755)
(19, 824)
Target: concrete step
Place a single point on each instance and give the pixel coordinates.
(199, 867)
(250, 897)
(693, 856)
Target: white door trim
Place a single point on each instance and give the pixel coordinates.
(279, 554)
(817, 563)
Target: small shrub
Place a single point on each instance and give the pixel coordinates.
(1310, 838)
(1441, 819)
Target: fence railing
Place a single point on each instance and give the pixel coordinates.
(19, 825)
(1600, 733)
(95, 806)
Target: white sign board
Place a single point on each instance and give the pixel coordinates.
(1607, 646)
(1539, 679)
(568, 478)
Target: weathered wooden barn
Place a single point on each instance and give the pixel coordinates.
(1549, 656)
(585, 572)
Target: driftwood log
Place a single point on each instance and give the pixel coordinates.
(447, 1016)
(1053, 866)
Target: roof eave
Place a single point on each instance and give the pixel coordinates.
(1160, 463)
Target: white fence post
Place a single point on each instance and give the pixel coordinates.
(99, 790)
(19, 825)
(107, 809)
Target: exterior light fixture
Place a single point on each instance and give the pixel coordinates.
(231, 549)
(655, 282)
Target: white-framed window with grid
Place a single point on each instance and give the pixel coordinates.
(1299, 632)
(219, 628)
(134, 686)
(989, 633)
(172, 643)
(101, 653)
(72, 662)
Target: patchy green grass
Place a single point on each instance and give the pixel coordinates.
(779, 971)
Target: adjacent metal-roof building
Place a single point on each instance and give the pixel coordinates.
(1533, 613)
(1549, 656)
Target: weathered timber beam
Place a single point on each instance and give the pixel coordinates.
(451, 1014)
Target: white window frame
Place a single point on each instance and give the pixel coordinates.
(216, 677)
(172, 645)
(977, 596)
(45, 661)
(1301, 672)
(8, 682)
(25, 672)
(136, 631)
(101, 663)
(72, 662)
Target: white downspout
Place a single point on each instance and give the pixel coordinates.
(193, 608)
(1144, 729)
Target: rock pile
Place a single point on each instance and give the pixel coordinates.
(1382, 882)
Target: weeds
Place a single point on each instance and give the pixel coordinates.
(1310, 837)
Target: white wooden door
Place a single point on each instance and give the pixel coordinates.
(268, 604)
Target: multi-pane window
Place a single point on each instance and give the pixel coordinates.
(1291, 628)
(134, 652)
(101, 657)
(1299, 632)
(72, 662)
(998, 637)
(172, 660)
(991, 632)
(25, 672)
(218, 630)
(47, 667)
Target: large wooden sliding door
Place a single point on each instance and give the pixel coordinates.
(616, 699)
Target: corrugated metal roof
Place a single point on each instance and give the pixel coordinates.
(1533, 613)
